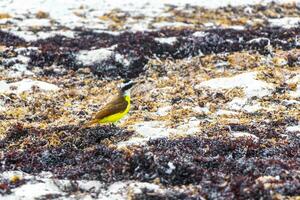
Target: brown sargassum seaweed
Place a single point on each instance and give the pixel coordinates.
(139, 47)
(210, 164)
(224, 167)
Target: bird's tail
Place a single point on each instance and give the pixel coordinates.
(87, 124)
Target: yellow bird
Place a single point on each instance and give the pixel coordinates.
(117, 108)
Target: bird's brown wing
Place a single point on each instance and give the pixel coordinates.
(115, 106)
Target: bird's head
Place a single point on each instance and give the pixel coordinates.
(126, 86)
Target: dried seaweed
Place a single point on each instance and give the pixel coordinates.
(42, 131)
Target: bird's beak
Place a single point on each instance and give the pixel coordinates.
(133, 83)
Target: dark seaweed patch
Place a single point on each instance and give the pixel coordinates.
(9, 39)
(139, 47)
(222, 166)
(266, 130)
(148, 194)
(53, 148)
(14, 134)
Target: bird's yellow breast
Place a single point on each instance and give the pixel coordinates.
(115, 117)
